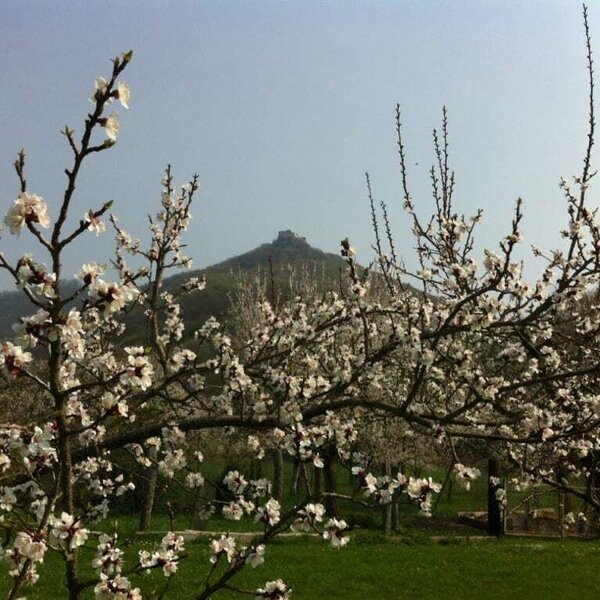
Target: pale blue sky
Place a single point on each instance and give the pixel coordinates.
(281, 107)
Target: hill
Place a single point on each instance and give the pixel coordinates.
(287, 253)
(286, 248)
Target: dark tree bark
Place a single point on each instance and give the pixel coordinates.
(150, 476)
(495, 525)
(330, 483)
(278, 475)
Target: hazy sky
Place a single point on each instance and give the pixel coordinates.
(281, 107)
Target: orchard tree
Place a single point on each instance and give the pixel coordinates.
(62, 473)
(491, 355)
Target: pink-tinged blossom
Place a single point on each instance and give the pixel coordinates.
(194, 480)
(111, 297)
(235, 482)
(224, 546)
(182, 358)
(94, 223)
(273, 590)
(68, 530)
(421, 491)
(15, 359)
(309, 516)
(255, 447)
(139, 370)
(35, 276)
(90, 272)
(167, 555)
(256, 556)
(100, 88)
(260, 487)
(27, 548)
(233, 511)
(336, 532)
(194, 284)
(7, 499)
(32, 547)
(317, 461)
(500, 495)
(32, 330)
(174, 460)
(111, 126)
(27, 208)
(465, 475)
(269, 514)
(109, 558)
(123, 94)
(125, 241)
(117, 587)
(36, 447)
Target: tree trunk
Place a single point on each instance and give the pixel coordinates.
(196, 522)
(296, 478)
(317, 481)
(67, 500)
(330, 483)
(495, 525)
(149, 486)
(563, 478)
(395, 515)
(278, 475)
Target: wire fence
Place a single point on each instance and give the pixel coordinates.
(539, 510)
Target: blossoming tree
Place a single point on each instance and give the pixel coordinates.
(61, 474)
(478, 352)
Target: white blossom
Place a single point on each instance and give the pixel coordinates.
(27, 208)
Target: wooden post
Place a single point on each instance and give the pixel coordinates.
(565, 504)
(387, 509)
(396, 508)
(330, 483)
(494, 506)
(561, 512)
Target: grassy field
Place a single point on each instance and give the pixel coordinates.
(371, 567)
(408, 565)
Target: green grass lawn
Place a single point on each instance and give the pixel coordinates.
(371, 567)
